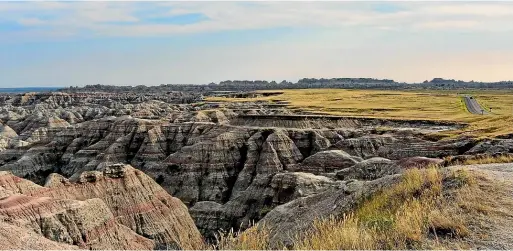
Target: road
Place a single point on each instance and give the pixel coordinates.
(473, 106)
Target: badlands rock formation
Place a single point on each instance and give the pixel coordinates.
(117, 207)
(226, 165)
(289, 220)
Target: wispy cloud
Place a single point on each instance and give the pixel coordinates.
(167, 18)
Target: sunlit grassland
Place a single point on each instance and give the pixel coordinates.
(408, 105)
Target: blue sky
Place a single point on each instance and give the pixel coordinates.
(130, 43)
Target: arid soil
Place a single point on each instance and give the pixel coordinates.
(494, 228)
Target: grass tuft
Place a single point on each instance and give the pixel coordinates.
(489, 160)
(443, 223)
(347, 235)
(479, 159)
(253, 238)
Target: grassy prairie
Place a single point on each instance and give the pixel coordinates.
(428, 105)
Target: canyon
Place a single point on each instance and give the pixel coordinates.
(98, 170)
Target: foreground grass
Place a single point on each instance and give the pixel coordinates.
(253, 238)
(425, 105)
(428, 209)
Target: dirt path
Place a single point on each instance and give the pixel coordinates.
(473, 106)
(494, 230)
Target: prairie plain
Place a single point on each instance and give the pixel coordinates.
(446, 105)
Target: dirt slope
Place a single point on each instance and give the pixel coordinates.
(493, 229)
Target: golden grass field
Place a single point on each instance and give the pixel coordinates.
(408, 105)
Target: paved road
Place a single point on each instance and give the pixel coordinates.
(473, 106)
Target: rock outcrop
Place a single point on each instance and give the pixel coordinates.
(418, 162)
(493, 146)
(117, 207)
(403, 146)
(287, 221)
(292, 185)
(16, 237)
(328, 161)
(7, 137)
(369, 169)
(87, 224)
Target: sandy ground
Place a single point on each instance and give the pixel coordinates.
(493, 230)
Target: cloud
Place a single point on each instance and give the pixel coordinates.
(168, 18)
(31, 21)
(478, 9)
(449, 24)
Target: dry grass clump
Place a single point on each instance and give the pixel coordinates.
(479, 159)
(489, 160)
(443, 222)
(253, 238)
(424, 209)
(332, 233)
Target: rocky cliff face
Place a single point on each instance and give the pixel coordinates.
(15, 237)
(86, 224)
(287, 221)
(116, 207)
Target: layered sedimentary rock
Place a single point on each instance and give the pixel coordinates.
(16, 237)
(231, 164)
(292, 185)
(204, 163)
(369, 169)
(87, 224)
(267, 153)
(8, 138)
(117, 207)
(205, 170)
(364, 146)
(328, 161)
(287, 221)
(402, 146)
(7, 132)
(493, 146)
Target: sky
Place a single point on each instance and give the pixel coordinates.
(75, 43)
